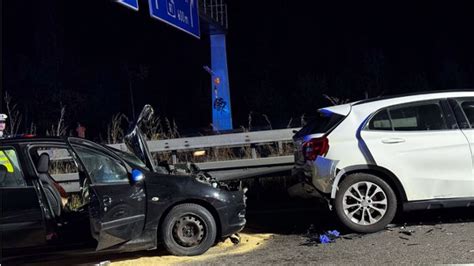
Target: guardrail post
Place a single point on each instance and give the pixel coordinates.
(174, 158)
(280, 147)
(254, 152)
(216, 153)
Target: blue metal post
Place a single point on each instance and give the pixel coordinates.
(221, 107)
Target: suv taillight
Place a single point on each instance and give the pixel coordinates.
(315, 147)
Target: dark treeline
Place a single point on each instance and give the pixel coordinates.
(91, 55)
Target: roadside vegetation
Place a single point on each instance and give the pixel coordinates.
(159, 128)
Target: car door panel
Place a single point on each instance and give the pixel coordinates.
(117, 212)
(464, 109)
(431, 159)
(116, 207)
(428, 164)
(469, 133)
(21, 222)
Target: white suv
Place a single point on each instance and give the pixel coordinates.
(372, 157)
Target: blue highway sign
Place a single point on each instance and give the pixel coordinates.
(133, 4)
(181, 14)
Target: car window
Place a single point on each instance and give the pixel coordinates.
(381, 121)
(14, 175)
(63, 168)
(100, 167)
(468, 108)
(321, 123)
(129, 158)
(418, 117)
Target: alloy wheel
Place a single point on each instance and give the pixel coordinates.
(365, 203)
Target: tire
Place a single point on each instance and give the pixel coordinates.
(378, 209)
(188, 230)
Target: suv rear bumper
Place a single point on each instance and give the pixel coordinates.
(320, 173)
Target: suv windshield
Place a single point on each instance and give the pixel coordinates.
(322, 122)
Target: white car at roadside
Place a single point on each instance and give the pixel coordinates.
(374, 157)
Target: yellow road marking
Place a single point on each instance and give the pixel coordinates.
(248, 243)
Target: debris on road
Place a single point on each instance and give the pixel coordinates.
(324, 239)
(315, 238)
(390, 226)
(429, 231)
(334, 233)
(407, 232)
(329, 237)
(235, 239)
(351, 236)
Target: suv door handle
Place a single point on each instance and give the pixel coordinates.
(393, 140)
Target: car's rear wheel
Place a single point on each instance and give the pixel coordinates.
(188, 230)
(365, 203)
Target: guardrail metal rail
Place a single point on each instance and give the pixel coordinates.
(224, 170)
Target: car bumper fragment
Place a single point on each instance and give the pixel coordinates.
(320, 172)
(232, 219)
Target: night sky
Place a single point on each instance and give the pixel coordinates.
(283, 56)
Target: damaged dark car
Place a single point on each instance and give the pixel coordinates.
(121, 202)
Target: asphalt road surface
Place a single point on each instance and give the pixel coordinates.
(443, 236)
(428, 237)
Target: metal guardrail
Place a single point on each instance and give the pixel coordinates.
(222, 170)
(246, 163)
(251, 139)
(224, 140)
(70, 182)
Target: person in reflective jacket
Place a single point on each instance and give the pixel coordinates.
(3, 125)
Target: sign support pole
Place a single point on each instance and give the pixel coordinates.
(221, 106)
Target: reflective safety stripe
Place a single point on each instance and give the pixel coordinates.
(6, 162)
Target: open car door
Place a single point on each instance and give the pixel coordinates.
(116, 206)
(136, 142)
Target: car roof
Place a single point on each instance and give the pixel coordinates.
(420, 96)
(374, 104)
(23, 139)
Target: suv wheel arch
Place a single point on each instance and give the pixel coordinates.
(376, 170)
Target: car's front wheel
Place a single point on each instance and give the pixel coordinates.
(188, 230)
(365, 203)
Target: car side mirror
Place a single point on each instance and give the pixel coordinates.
(136, 176)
